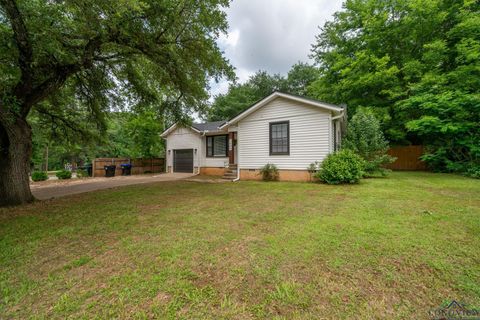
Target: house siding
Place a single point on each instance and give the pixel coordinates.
(184, 138)
(310, 135)
(211, 162)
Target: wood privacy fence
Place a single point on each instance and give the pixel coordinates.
(139, 166)
(407, 158)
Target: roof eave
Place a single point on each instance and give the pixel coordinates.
(174, 126)
(274, 95)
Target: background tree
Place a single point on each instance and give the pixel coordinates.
(371, 52)
(157, 52)
(416, 64)
(445, 104)
(365, 138)
(242, 95)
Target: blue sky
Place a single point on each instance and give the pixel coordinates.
(271, 35)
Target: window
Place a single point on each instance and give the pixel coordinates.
(217, 146)
(280, 138)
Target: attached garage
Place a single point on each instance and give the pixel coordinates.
(183, 160)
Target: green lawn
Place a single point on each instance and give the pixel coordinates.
(386, 248)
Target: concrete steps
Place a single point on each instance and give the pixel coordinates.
(230, 173)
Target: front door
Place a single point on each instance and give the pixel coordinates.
(183, 160)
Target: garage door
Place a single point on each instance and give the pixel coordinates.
(183, 160)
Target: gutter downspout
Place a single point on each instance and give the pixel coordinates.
(339, 116)
(238, 167)
(238, 175)
(198, 156)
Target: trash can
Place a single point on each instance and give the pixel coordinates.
(88, 168)
(110, 171)
(126, 169)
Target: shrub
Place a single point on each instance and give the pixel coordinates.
(39, 176)
(269, 172)
(64, 174)
(341, 167)
(313, 169)
(81, 173)
(365, 138)
(473, 171)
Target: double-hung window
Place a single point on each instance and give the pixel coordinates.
(280, 138)
(217, 146)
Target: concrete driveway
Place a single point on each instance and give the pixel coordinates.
(59, 188)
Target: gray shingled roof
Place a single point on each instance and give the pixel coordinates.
(208, 126)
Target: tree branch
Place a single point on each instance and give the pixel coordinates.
(73, 126)
(21, 37)
(60, 75)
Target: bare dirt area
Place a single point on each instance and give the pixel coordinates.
(59, 188)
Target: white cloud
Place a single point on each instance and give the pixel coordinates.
(272, 35)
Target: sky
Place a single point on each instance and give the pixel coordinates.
(271, 35)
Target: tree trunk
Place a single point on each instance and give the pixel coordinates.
(15, 154)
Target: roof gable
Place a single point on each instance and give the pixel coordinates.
(266, 100)
(196, 127)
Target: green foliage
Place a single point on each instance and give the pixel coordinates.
(143, 130)
(261, 84)
(269, 172)
(446, 100)
(314, 166)
(82, 173)
(63, 174)
(341, 167)
(417, 64)
(39, 176)
(73, 62)
(365, 138)
(134, 135)
(147, 52)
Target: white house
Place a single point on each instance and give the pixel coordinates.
(286, 130)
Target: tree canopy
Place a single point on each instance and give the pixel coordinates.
(417, 64)
(92, 56)
(241, 95)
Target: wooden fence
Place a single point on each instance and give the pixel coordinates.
(407, 158)
(139, 166)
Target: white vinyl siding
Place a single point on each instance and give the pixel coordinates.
(184, 138)
(310, 134)
(210, 162)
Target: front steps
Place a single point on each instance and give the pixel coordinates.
(230, 172)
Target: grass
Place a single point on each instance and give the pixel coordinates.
(387, 248)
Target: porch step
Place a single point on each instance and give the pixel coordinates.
(230, 173)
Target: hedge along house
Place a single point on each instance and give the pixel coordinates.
(286, 130)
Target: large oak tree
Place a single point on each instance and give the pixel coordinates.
(61, 55)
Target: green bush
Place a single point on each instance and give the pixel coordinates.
(341, 167)
(39, 176)
(269, 172)
(81, 173)
(473, 171)
(365, 138)
(64, 174)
